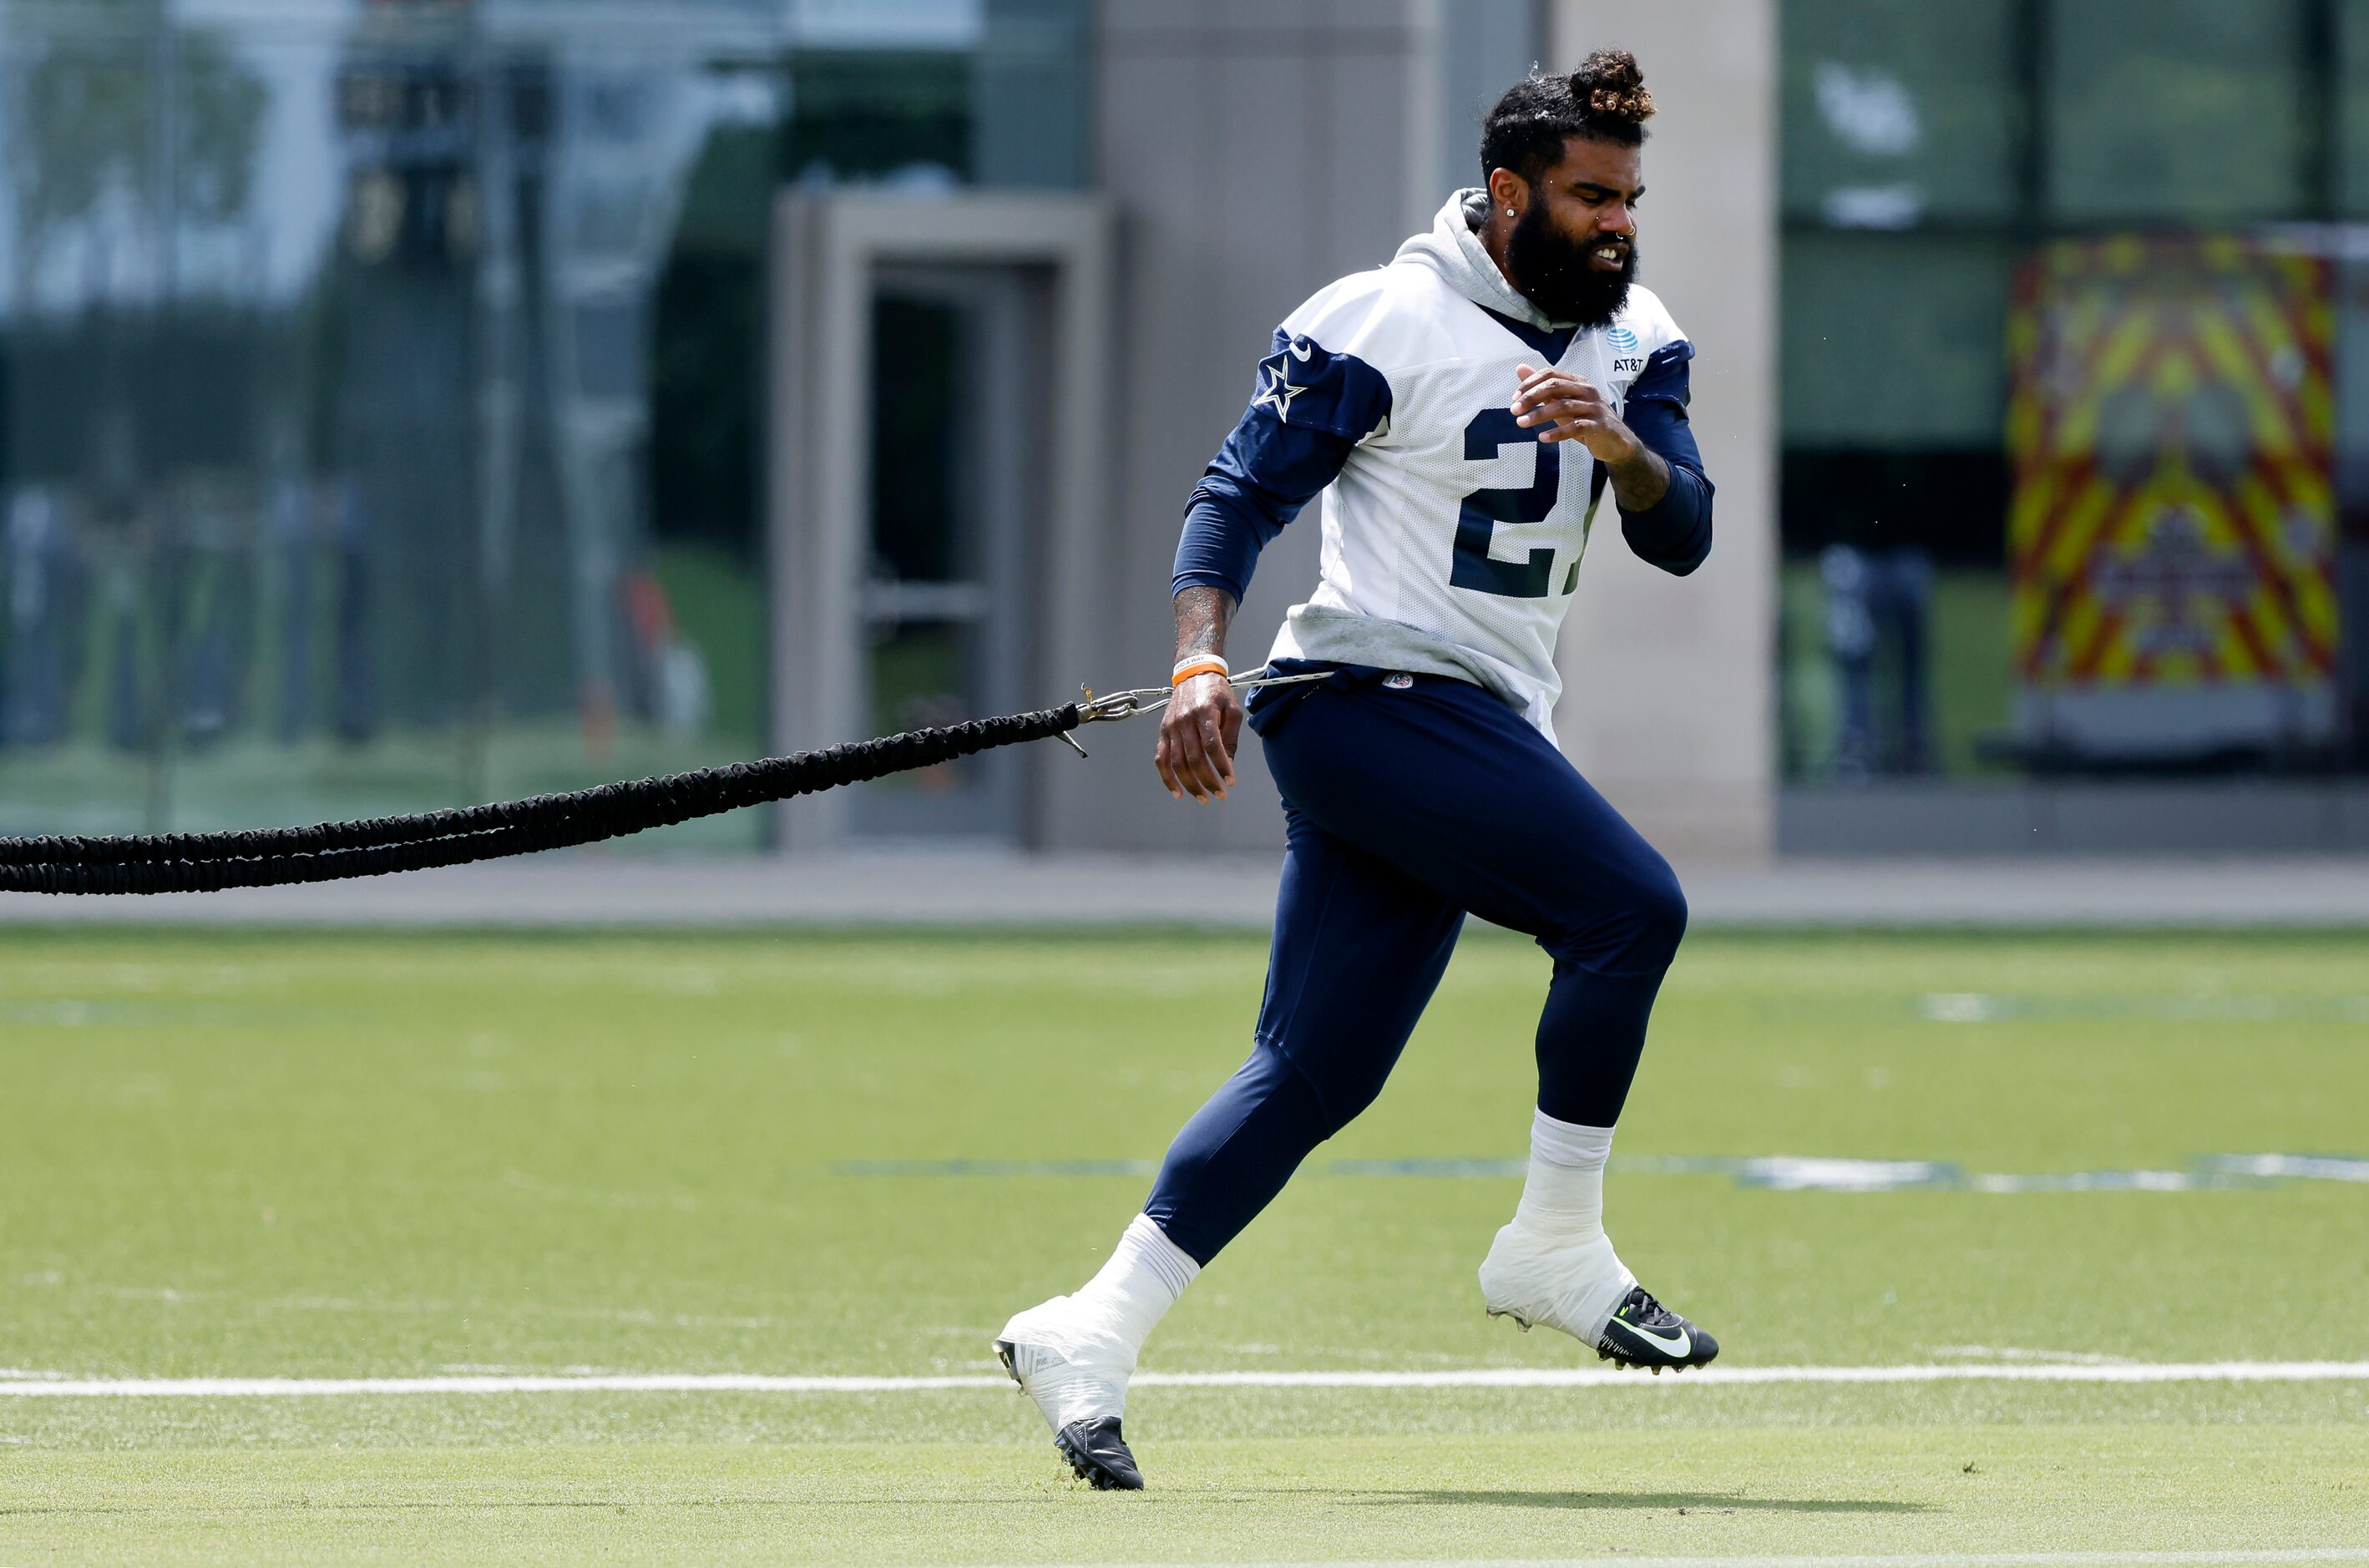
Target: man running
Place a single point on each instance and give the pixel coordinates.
(1461, 411)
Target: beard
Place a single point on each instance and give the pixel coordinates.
(1560, 276)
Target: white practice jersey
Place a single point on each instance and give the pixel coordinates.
(1439, 513)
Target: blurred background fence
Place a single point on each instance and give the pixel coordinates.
(384, 411)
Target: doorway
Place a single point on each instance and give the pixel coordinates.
(957, 444)
(936, 462)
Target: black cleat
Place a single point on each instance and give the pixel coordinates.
(1643, 1332)
(1097, 1451)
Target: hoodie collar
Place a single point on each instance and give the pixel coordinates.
(1454, 250)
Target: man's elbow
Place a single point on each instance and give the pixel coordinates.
(1675, 534)
(1681, 561)
(1696, 548)
(1684, 565)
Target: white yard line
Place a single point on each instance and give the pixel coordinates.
(1473, 1378)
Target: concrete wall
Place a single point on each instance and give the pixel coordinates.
(1669, 682)
(1255, 150)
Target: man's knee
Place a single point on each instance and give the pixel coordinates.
(1632, 924)
(1661, 915)
(1337, 1088)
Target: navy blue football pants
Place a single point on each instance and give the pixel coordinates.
(1403, 809)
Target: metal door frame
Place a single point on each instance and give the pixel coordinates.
(827, 252)
(1000, 450)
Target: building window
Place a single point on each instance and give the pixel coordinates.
(2195, 111)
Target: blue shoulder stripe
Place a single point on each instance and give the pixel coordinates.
(1665, 374)
(1674, 532)
(1306, 386)
(1309, 409)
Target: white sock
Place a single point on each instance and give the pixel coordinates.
(1563, 1198)
(1563, 1205)
(1145, 1275)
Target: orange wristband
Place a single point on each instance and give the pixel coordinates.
(1192, 667)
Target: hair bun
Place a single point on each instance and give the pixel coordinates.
(1612, 86)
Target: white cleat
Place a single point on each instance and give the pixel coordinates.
(1587, 1293)
(1076, 1369)
(1533, 1280)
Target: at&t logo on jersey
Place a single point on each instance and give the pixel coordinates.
(1626, 361)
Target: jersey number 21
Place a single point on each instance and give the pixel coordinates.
(1483, 510)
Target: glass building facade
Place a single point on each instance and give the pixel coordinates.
(381, 379)
(2069, 448)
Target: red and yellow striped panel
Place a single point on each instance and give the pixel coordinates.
(2170, 426)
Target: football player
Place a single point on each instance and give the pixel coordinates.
(1461, 412)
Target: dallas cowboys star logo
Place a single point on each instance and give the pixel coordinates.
(1276, 391)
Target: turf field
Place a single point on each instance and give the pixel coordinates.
(484, 1158)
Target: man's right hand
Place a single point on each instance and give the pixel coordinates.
(1196, 754)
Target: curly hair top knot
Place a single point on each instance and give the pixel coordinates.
(1605, 98)
(1612, 86)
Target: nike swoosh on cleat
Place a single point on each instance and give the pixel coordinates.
(1678, 1349)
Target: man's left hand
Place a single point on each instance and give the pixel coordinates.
(1575, 410)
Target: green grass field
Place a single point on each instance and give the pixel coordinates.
(370, 1157)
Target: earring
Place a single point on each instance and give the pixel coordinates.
(1509, 212)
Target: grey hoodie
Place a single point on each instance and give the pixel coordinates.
(1453, 249)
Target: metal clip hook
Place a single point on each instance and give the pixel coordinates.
(1145, 698)
(1122, 704)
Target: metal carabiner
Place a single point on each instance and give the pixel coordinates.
(1145, 699)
